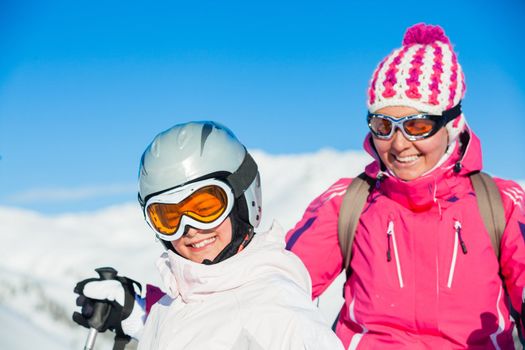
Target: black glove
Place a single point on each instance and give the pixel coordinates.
(104, 314)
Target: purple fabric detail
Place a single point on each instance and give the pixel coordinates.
(415, 71)
(295, 236)
(437, 70)
(153, 294)
(454, 81)
(453, 199)
(390, 76)
(522, 229)
(371, 90)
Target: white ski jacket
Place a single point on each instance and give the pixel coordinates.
(257, 299)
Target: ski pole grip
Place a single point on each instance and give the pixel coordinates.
(102, 309)
(99, 309)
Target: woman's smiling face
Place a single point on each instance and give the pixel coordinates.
(407, 159)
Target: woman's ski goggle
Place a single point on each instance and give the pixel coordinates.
(203, 205)
(414, 127)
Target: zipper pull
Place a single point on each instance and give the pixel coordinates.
(457, 225)
(388, 237)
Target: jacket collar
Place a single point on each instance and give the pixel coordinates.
(264, 258)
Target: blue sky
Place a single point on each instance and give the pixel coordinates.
(85, 85)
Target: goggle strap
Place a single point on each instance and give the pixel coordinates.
(242, 178)
(141, 201)
(453, 113)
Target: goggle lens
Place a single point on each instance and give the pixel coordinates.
(381, 126)
(418, 127)
(204, 205)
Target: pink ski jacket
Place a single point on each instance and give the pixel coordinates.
(424, 273)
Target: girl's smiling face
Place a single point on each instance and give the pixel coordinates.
(197, 245)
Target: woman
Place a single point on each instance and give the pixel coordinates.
(423, 271)
(227, 287)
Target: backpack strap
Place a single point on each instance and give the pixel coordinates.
(490, 206)
(354, 201)
(493, 213)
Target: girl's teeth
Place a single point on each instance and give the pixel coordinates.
(203, 243)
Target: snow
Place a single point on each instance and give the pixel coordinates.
(19, 333)
(44, 256)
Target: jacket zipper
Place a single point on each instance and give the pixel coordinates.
(458, 241)
(391, 236)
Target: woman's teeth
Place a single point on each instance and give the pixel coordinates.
(204, 242)
(408, 159)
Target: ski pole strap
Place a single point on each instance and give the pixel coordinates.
(129, 295)
(121, 339)
(129, 301)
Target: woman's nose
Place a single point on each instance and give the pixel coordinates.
(399, 141)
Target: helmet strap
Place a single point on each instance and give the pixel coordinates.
(242, 234)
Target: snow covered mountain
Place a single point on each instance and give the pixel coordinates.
(44, 256)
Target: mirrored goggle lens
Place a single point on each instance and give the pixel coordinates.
(419, 127)
(380, 126)
(204, 205)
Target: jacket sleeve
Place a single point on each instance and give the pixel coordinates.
(512, 257)
(315, 240)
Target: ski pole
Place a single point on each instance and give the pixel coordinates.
(90, 341)
(100, 309)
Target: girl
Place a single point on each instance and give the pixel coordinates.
(227, 287)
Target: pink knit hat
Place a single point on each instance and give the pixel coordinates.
(424, 74)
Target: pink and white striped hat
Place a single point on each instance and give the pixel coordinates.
(424, 74)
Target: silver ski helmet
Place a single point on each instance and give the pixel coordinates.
(194, 151)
